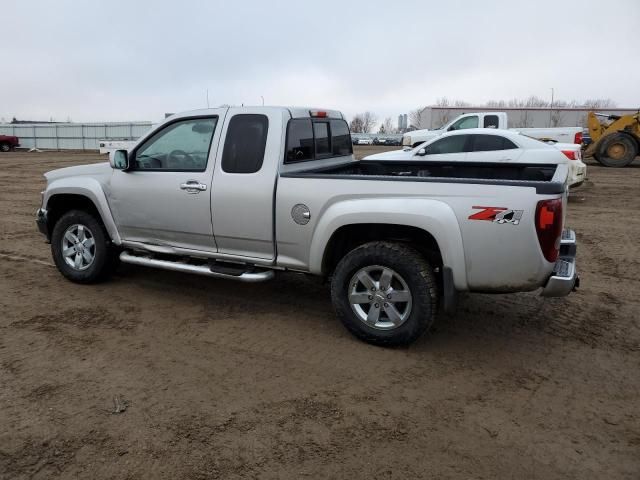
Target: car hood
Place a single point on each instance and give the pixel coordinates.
(425, 133)
(392, 155)
(93, 170)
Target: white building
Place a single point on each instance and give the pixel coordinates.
(435, 117)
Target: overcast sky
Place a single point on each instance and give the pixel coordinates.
(134, 60)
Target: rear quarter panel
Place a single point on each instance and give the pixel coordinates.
(483, 255)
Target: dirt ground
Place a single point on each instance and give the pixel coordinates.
(215, 379)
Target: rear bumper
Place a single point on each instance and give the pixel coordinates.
(42, 222)
(577, 173)
(564, 278)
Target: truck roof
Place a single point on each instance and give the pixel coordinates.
(294, 112)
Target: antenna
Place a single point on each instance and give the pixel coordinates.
(262, 100)
(207, 98)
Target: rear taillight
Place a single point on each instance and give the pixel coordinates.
(549, 227)
(578, 138)
(572, 154)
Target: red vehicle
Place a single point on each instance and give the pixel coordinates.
(8, 143)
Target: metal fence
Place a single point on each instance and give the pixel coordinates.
(73, 136)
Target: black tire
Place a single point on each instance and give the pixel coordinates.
(5, 147)
(617, 150)
(103, 251)
(416, 272)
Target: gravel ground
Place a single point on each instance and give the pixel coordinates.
(162, 375)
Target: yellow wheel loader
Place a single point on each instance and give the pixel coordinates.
(616, 141)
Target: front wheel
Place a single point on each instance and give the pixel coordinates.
(81, 248)
(385, 293)
(617, 150)
(5, 147)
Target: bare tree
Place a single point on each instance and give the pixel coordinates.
(356, 125)
(387, 126)
(599, 103)
(363, 122)
(417, 119)
(443, 113)
(369, 121)
(496, 104)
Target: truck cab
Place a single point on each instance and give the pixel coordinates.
(496, 120)
(464, 121)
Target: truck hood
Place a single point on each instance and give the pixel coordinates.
(93, 169)
(426, 134)
(392, 155)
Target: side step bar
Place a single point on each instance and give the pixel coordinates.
(258, 276)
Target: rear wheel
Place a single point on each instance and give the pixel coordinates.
(5, 147)
(81, 248)
(385, 293)
(617, 150)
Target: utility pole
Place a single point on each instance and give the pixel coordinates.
(551, 108)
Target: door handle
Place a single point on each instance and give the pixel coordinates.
(193, 186)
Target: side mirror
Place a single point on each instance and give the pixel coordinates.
(422, 152)
(119, 159)
(451, 128)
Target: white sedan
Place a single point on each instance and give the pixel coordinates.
(487, 145)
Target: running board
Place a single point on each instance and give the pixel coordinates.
(258, 276)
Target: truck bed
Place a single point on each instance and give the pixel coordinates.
(539, 176)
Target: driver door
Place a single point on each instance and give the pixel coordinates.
(164, 197)
(470, 121)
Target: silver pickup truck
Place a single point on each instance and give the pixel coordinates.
(244, 192)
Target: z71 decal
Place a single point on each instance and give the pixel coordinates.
(497, 215)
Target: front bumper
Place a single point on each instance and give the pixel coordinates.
(43, 223)
(564, 278)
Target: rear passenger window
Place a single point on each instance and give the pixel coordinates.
(452, 144)
(309, 140)
(491, 121)
(245, 144)
(299, 140)
(487, 143)
(340, 138)
(321, 134)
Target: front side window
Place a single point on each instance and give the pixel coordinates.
(182, 146)
(487, 143)
(245, 144)
(466, 122)
(452, 144)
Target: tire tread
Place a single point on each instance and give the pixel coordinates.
(427, 296)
